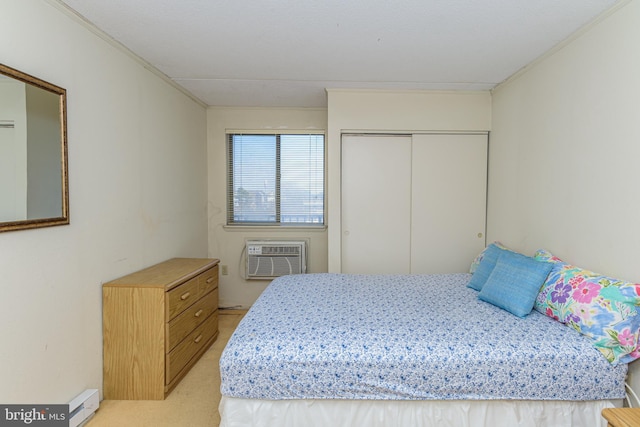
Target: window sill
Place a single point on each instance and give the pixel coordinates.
(285, 228)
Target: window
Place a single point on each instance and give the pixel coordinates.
(275, 179)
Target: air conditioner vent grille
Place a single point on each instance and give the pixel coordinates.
(270, 259)
(280, 250)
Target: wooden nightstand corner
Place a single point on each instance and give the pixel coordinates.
(622, 417)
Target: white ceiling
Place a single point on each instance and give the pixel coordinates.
(284, 53)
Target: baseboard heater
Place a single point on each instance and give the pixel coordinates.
(83, 407)
(268, 259)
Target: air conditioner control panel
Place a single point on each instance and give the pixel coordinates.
(254, 249)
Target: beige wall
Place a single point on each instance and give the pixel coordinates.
(227, 243)
(391, 112)
(137, 178)
(564, 150)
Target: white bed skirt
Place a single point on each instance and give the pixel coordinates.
(235, 412)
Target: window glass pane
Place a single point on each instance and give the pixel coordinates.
(254, 173)
(302, 179)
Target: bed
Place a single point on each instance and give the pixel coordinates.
(396, 350)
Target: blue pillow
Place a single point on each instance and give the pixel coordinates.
(515, 282)
(484, 269)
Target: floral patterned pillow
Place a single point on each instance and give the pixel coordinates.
(600, 307)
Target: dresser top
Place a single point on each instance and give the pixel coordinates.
(622, 417)
(166, 274)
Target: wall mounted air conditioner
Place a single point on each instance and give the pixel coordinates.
(267, 259)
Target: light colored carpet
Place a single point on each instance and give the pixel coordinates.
(194, 401)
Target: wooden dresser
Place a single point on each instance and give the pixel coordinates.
(157, 322)
(622, 417)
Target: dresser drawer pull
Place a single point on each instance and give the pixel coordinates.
(210, 279)
(198, 339)
(185, 296)
(198, 313)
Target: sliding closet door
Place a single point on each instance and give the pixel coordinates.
(376, 204)
(449, 188)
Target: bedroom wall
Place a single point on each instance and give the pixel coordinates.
(227, 243)
(564, 151)
(138, 189)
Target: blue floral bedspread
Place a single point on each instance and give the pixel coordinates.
(405, 337)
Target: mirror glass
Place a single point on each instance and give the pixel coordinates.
(33, 152)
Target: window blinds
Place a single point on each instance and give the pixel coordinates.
(275, 179)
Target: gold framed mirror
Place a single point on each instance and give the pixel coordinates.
(34, 184)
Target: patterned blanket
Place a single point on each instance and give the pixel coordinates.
(405, 337)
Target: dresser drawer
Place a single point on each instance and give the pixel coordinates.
(183, 324)
(182, 296)
(208, 280)
(190, 346)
